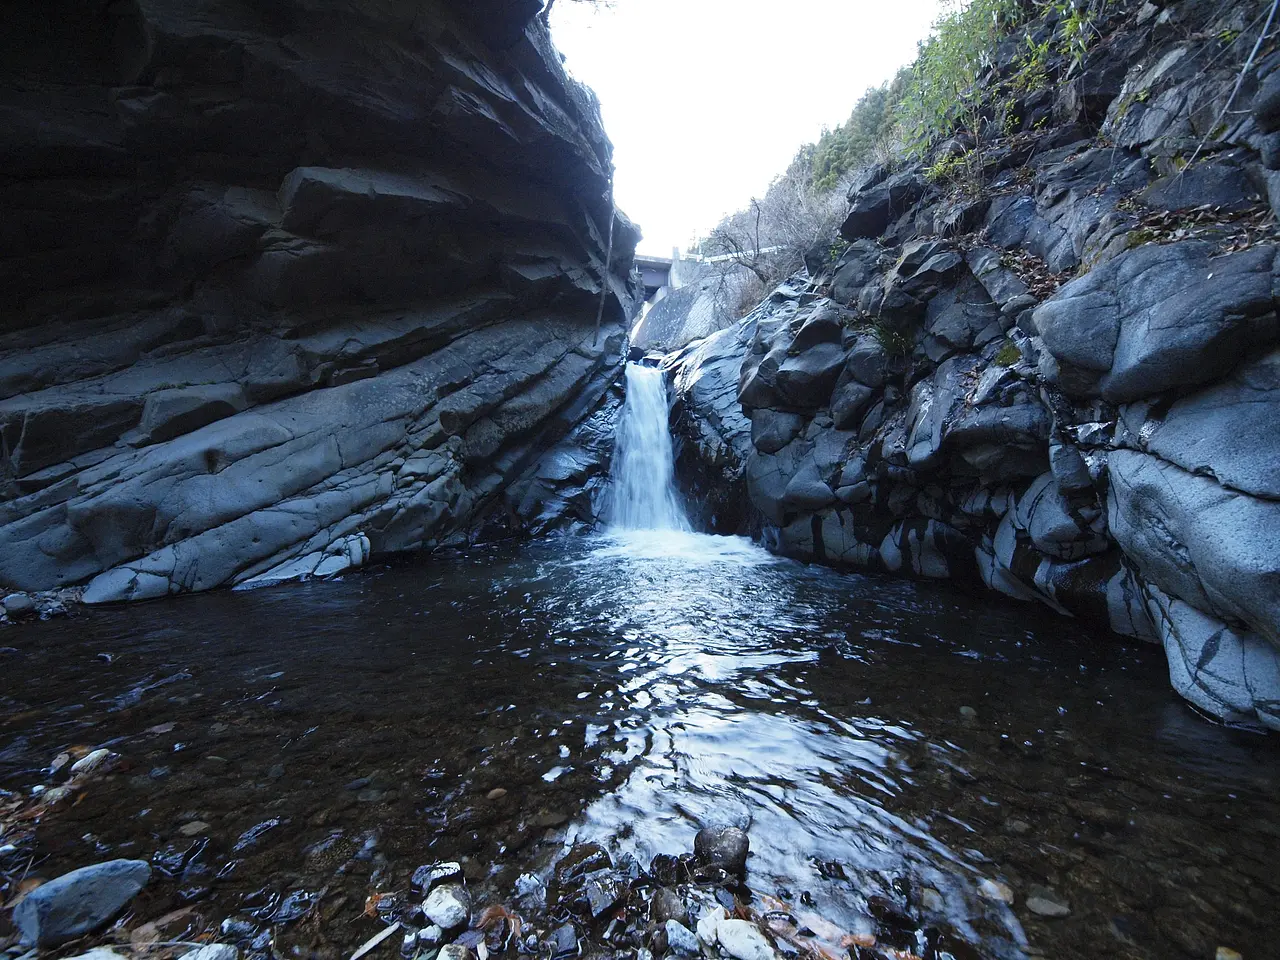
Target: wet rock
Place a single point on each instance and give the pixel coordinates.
(449, 906)
(455, 951)
(601, 891)
(1046, 902)
(90, 762)
(430, 875)
(497, 793)
(18, 605)
(968, 713)
(238, 928)
(79, 902)
(1226, 953)
(723, 847)
(666, 905)
(431, 936)
(563, 942)
(193, 829)
(254, 833)
(995, 890)
(932, 901)
(213, 951)
(681, 940)
(744, 941)
(99, 953)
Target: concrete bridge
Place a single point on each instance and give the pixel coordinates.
(662, 274)
(655, 272)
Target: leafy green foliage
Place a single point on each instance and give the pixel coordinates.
(870, 129)
(944, 95)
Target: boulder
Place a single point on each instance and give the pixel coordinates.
(1215, 548)
(873, 208)
(79, 902)
(1226, 431)
(771, 430)
(1159, 317)
(806, 380)
(724, 847)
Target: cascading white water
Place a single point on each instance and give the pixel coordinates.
(644, 494)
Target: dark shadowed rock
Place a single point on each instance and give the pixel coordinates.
(723, 847)
(222, 366)
(1159, 317)
(79, 902)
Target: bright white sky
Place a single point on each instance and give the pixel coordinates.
(706, 101)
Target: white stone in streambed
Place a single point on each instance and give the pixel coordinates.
(90, 762)
(744, 941)
(709, 925)
(454, 951)
(449, 906)
(213, 951)
(1045, 902)
(99, 953)
(18, 605)
(680, 939)
(79, 902)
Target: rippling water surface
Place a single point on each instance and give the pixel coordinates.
(631, 688)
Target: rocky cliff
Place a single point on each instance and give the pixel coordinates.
(290, 285)
(1057, 377)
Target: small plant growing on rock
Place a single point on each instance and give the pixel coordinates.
(895, 342)
(1008, 355)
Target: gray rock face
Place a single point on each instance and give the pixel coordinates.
(1069, 401)
(1193, 538)
(228, 367)
(79, 902)
(1159, 317)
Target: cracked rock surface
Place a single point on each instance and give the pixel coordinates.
(287, 292)
(1058, 402)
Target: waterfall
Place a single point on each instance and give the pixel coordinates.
(644, 493)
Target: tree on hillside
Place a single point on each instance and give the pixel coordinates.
(770, 237)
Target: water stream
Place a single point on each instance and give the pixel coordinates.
(643, 494)
(876, 738)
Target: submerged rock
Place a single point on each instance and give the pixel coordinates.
(18, 605)
(1046, 902)
(79, 902)
(723, 847)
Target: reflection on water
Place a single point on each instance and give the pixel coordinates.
(633, 687)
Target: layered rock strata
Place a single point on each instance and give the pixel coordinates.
(288, 288)
(1060, 381)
